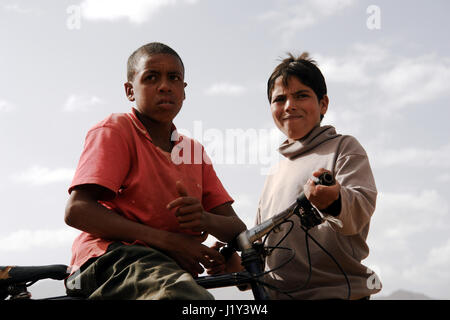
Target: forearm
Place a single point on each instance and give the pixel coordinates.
(224, 228)
(84, 212)
(358, 205)
(94, 218)
(358, 192)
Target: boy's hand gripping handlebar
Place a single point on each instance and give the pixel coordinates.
(308, 215)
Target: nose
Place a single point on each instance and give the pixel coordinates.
(289, 105)
(164, 85)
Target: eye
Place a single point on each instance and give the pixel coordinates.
(175, 77)
(301, 95)
(278, 99)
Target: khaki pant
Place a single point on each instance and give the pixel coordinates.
(134, 272)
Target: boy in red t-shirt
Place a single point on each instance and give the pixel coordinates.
(144, 216)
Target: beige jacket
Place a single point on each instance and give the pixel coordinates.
(347, 160)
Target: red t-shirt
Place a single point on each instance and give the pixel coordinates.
(119, 155)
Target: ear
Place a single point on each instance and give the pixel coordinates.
(184, 92)
(323, 104)
(129, 91)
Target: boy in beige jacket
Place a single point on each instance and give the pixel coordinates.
(298, 100)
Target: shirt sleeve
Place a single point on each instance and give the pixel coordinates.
(214, 193)
(358, 190)
(105, 160)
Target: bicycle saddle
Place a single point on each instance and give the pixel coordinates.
(10, 275)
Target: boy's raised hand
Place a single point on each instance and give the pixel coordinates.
(189, 212)
(319, 195)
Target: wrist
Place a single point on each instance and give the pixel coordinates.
(160, 239)
(334, 208)
(207, 221)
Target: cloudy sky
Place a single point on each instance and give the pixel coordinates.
(387, 65)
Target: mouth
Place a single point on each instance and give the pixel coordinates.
(291, 117)
(165, 102)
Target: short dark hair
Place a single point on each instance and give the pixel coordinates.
(148, 49)
(304, 69)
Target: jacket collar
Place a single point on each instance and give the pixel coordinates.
(315, 137)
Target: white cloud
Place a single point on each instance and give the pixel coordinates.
(5, 106)
(295, 17)
(343, 71)
(24, 240)
(81, 103)
(443, 177)
(416, 80)
(383, 81)
(406, 242)
(356, 68)
(433, 274)
(371, 88)
(403, 214)
(225, 89)
(20, 9)
(38, 176)
(440, 257)
(136, 11)
(413, 157)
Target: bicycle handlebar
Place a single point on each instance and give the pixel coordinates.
(245, 239)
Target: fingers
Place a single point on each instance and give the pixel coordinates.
(189, 264)
(182, 201)
(191, 217)
(202, 237)
(315, 182)
(216, 269)
(189, 212)
(194, 264)
(309, 188)
(194, 269)
(321, 196)
(181, 189)
(214, 255)
(188, 209)
(195, 257)
(217, 245)
(183, 196)
(194, 225)
(211, 260)
(314, 190)
(233, 264)
(318, 172)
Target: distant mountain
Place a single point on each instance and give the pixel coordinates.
(403, 295)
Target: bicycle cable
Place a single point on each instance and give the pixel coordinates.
(287, 292)
(307, 235)
(284, 237)
(282, 264)
(332, 258)
(256, 277)
(277, 246)
(308, 253)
